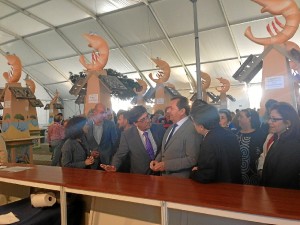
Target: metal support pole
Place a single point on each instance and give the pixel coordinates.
(197, 51)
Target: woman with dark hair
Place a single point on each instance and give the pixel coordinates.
(265, 125)
(251, 141)
(220, 157)
(225, 119)
(282, 163)
(75, 151)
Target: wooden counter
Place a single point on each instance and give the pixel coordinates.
(245, 202)
(39, 177)
(167, 194)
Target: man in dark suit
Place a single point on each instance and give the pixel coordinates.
(101, 136)
(181, 143)
(141, 142)
(123, 124)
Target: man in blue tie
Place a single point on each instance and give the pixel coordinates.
(142, 142)
(181, 143)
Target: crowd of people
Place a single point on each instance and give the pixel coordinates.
(197, 142)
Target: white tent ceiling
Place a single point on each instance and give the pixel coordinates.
(47, 36)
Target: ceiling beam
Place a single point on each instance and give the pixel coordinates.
(230, 31)
(39, 53)
(137, 43)
(40, 20)
(31, 6)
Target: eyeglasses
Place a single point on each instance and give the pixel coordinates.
(144, 119)
(273, 120)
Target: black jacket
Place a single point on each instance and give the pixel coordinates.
(282, 165)
(219, 158)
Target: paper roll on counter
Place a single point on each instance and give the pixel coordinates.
(43, 200)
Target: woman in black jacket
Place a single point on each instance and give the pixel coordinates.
(282, 164)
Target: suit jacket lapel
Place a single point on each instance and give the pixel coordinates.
(137, 140)
(163, 147)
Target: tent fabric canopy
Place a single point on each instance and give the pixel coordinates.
(47, 37)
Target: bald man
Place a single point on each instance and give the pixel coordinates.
(101, 136)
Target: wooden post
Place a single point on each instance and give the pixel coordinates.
(96, 92)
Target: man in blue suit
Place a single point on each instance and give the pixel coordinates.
(101, 136)
(141, 142)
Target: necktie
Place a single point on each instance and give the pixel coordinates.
(171, 133)
(149, 147)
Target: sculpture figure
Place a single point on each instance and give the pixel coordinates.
(163, 73)
(205, 80)
(32, 115)
(99, 55)
(143, 88)
(289, 10)
(14, 75)
(162, 76)
(140, 92)
(30, 84)
(15, 112)
(225, 85)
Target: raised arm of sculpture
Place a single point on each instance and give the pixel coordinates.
(99, 55)
(163, 73)
(143, 88)
(225, 85)
(289, 10)
(13, 76)
(30, 84)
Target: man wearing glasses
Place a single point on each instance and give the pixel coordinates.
(101, 136)
(141, 142)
